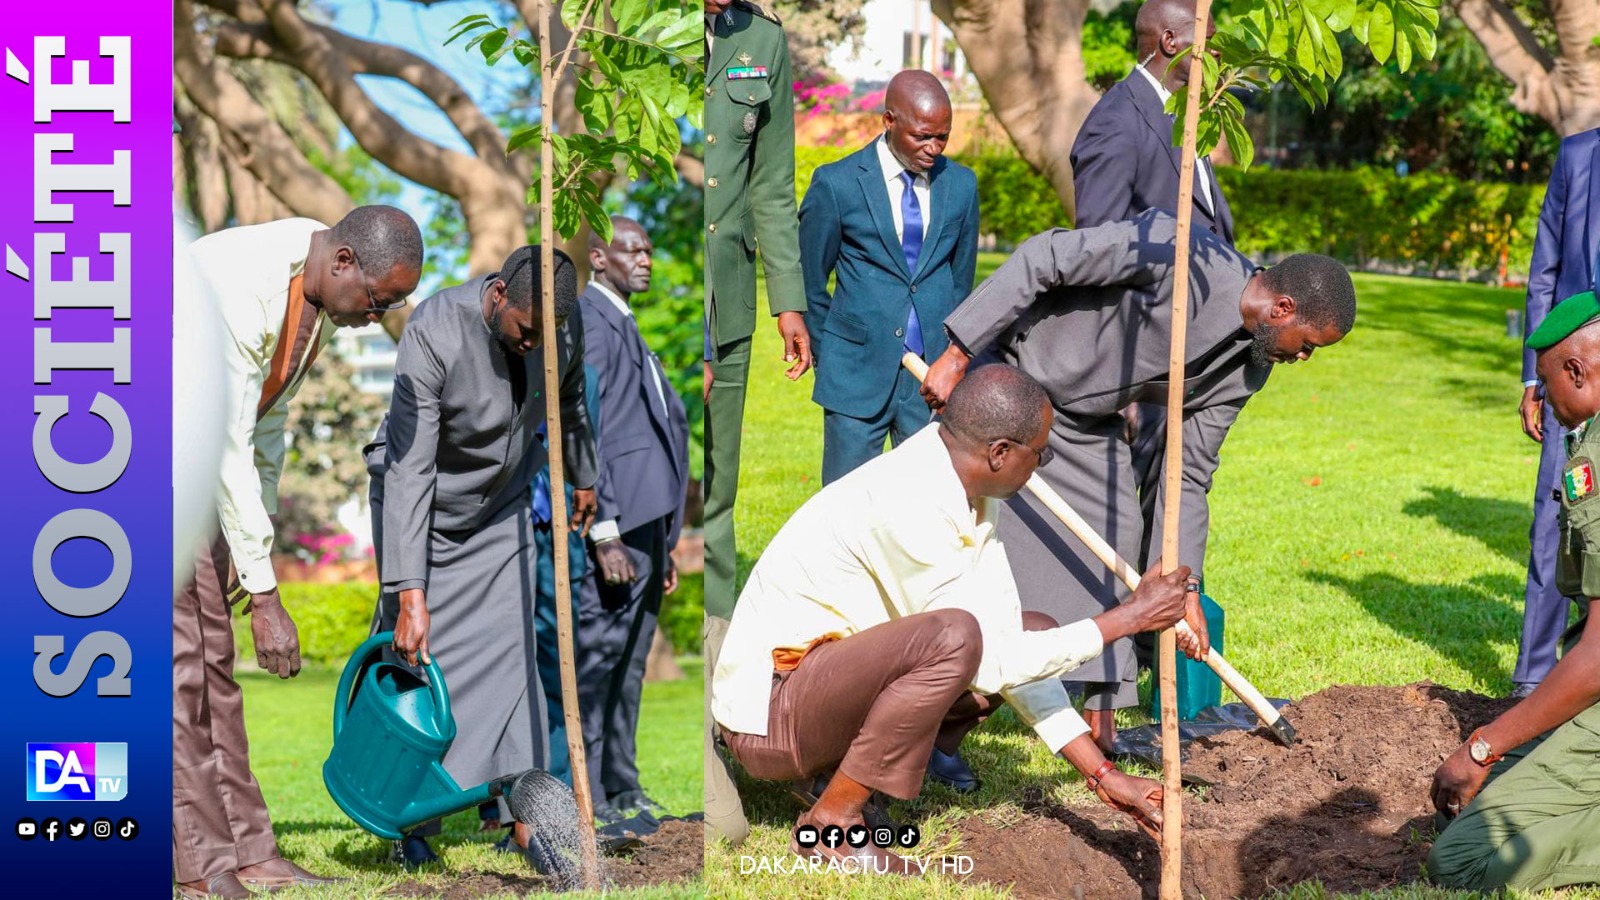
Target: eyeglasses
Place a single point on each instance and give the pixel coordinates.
(372, 301)
(1044, 455)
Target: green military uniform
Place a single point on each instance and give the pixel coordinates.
(749, 123)
(1536, 823)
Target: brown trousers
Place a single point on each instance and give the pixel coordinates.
(219, 819)
(874, 704)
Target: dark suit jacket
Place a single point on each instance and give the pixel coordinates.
(1123, 162)
(847, 230)
(644, 450)
(1088, 313)
(453, 449)
(1569, 234)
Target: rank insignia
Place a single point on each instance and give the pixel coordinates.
(750, 122)
(1578, 481)
(740, 72)
(745, 59)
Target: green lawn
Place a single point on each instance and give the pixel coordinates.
(1369, 525)
(290, 727)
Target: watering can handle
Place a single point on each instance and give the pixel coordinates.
(358, 662)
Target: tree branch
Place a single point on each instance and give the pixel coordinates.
(255, 140)
(1514, 51)
(239, 40)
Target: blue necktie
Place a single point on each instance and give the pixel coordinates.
(911, 244)
(541, 491)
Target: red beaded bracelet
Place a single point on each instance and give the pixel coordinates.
(1100, 773)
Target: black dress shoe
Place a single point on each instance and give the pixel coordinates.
(950, 770)
(413, 852)
(874, 811)
(631, 802)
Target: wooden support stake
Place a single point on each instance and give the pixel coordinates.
(1171, 758)
(558, 494)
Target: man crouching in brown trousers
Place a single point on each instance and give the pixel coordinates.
(883, 620)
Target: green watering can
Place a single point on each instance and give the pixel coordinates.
(391, 731)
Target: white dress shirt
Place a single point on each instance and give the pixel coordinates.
(897, 190)
(1202, 169)
(894, 538)
(608, 530)
(248, 270)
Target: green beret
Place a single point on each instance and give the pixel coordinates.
(1568, 316)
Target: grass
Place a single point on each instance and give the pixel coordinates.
(289, 724)
(1369, 526)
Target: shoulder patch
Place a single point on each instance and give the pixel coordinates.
(770, 17)
(1577, 481)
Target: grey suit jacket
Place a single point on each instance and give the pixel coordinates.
(1088, 314)
(644, 449)
(453, 449)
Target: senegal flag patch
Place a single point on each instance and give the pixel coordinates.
(1578, 482)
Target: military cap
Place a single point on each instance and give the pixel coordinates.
(1565, 318)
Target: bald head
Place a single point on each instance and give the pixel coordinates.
(996, 402)
(997, 430)
(1163, 29)
(916, 120)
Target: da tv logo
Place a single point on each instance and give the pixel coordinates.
(77, 771)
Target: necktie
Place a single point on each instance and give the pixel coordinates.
(541, 490)
(911, 245)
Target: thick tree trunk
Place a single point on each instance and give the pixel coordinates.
(1560, 86)
(1028, 58)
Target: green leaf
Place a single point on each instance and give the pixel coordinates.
(522, 139)
(492, 45)
(1359, 25)
(527, 55)
(688, 28)
(559, 152)
(566, 217)
(629, 14)
(1278, 42)
(594, 103)
(1332, 55)
(1426, 40)
(570, 11)
(1239, 141)
(1305, 51)
(1402, 50)
(1380, 31)
(1344, 13)
(593, 212)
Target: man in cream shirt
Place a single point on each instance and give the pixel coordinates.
(883, 619)
(281, 288)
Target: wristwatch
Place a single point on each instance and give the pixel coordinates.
(1479, 749)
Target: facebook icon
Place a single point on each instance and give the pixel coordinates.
(77, 771)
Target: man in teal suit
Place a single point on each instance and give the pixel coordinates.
(897, 223)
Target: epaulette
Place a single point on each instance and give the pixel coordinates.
(770, 17)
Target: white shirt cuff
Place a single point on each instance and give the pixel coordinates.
(257, 577)
(1529, 384)
(1060, 729)
(604, 531)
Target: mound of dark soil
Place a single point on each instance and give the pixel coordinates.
(1348, 806)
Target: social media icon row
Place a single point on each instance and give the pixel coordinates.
(831, 836)
(77, 829)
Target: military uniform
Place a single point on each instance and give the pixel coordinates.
(750, 205)
(1536, 823)
(749, 122)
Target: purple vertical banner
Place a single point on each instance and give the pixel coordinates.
(86, 404)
